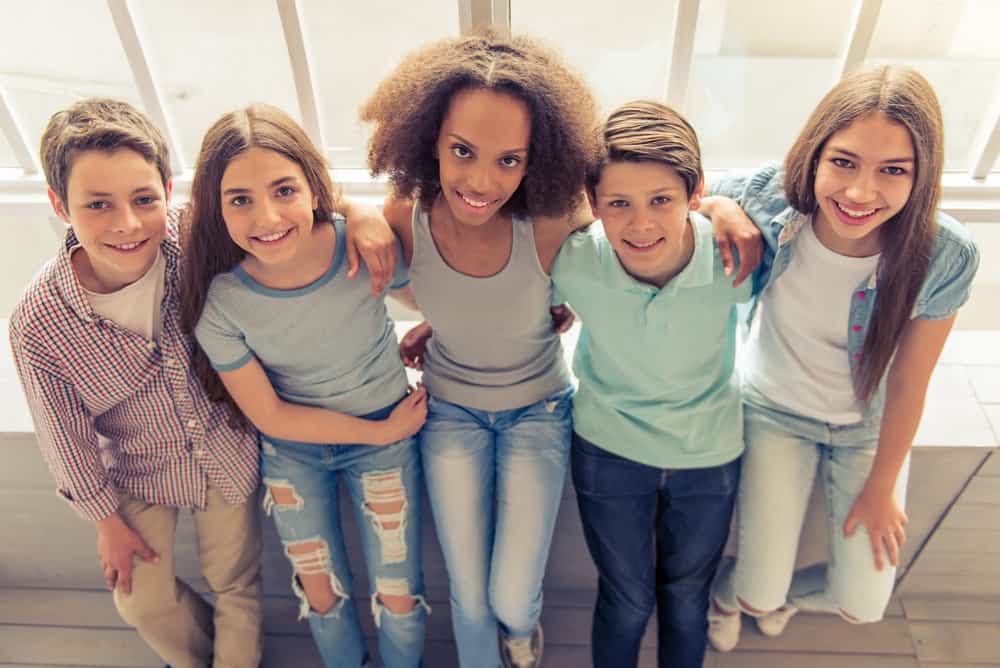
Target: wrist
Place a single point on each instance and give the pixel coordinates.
(109, 523)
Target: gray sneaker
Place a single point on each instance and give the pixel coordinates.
(522, 652)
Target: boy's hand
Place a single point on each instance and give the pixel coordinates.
(407, 417)
(371, 238)
(733, 227)
(881, 516)
(116, 543)
(413, 345)
(562, 318)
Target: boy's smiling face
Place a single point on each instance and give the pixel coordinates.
(644, 206)
(117, 206)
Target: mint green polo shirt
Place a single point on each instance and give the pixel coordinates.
(657, 372)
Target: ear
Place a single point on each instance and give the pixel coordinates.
(170, 188)
(58, 206)
(315, 202)
(694, 202)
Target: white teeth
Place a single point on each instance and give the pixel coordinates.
(128, 247)
(272, 237)
(645, 245)
(472, 202)
(855, 214)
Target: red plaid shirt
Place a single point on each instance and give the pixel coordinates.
(115, 412)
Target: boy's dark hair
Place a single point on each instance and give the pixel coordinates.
(647, 131)
(99, 124)
(408, 108)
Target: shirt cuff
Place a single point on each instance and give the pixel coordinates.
(97, 507)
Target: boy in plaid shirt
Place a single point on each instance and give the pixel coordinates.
(121, 420)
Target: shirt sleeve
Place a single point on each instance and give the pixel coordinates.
(948, 293)
(223, 342)
(65, 431)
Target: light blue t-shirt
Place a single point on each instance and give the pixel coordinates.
(657, 374)
(329, 344)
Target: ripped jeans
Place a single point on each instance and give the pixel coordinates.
(301, 481)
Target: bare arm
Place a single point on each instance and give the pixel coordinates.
(370, 239)
(733, 228)
(906, 387)
(253, 393)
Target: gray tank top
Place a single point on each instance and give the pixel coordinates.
(493, 346)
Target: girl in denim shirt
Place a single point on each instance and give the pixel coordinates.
(864, 281)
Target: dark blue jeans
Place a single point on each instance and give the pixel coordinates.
(656, 537)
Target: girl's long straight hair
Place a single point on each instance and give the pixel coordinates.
(902, 95)
(208, 248)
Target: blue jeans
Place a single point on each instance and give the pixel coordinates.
(656, 537)
(784, 452)
(373, 475)
(495, 480)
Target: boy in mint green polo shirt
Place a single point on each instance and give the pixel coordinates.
(658, 418)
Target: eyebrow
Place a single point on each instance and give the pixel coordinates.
(857, 157)
(658, 191)
(272, 184)
(100, 193)
(474, 147)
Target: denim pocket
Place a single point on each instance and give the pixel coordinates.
(597, 472)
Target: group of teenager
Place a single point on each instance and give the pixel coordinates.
(178, 357)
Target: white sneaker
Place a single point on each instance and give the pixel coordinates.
(723, 629)
(522, 652)
(773, 623)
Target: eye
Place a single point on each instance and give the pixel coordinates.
(618, 204)
(99, 204)
(284, 191)
(892, 170)
(146, 200)
(660, 200)
(461, 151)
(239, 200)
(510, 161)
(843, 163)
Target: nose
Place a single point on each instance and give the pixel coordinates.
(267, 213)
(862, 187)
(642, 218)
(127, 221)
(479, 180)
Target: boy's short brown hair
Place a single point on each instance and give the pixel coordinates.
(99, 124)
(647, 131)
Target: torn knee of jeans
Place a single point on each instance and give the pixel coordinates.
(405, 603)
(281, 495)
(312, 557)
(385, 505)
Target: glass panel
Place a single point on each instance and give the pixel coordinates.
(349, 58)
(759, 69)
(213, 57)
(623, 49)
(53, 53)
(7, 157)
(954, 45)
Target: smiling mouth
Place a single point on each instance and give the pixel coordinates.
(273, 237)
(475, 203)
(128, 247)
(855, 216)
(643, 246)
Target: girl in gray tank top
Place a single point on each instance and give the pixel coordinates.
(493, 136)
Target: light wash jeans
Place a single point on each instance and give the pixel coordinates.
(393, 556)
(495, 480)
(784, 453)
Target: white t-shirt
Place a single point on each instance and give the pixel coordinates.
(137, 305)
(796, 355)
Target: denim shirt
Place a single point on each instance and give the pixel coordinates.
(953, 264)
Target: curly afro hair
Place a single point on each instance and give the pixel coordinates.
(408, 108)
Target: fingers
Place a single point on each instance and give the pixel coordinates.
(876, 543)
(146, 553)
(125, 577)
(726, 253)
(353, 262)
(750, 257)
(110, 576)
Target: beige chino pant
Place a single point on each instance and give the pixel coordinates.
(176, 622)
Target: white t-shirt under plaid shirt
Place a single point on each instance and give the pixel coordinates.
(116, 412)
